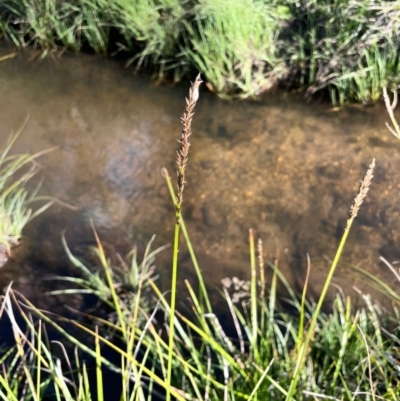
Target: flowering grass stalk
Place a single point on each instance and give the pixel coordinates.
(358, 200)
(181, 162)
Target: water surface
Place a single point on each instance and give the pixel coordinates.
(284, 167)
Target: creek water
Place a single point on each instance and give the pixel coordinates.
(286, 168)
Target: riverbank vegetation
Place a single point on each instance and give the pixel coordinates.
(350, 354)
(15, 201)
(349, 50)
(274, 348)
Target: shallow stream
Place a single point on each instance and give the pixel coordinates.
(284, 167)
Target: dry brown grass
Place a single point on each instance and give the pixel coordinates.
(390, 106)
(362, 193)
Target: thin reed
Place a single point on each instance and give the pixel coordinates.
(358, 200)
(181, 162)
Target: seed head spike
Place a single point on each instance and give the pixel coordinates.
(183, 151)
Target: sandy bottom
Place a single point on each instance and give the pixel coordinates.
(285, 168)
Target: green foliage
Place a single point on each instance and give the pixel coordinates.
(49, 24)
(2, 27)
(128, 278)
(337, 361)
(235, 44)
(242, 47)
(351, 353)
(31, 366)
(350, 48)
(29, 369)
(15, 211)
(152, 26)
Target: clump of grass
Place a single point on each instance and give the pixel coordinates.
(15, 201)
(241, 47)
(128, 277)
(236, 45)
(29, 368)
(153, 28)
(51, 24)
(273, 353)
(130, 331)
(150, 27)
(348, 48)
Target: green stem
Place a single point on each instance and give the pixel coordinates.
(253, 295)
(173, 300)
(304, 347)
(203, 291)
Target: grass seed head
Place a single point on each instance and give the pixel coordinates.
(362, 193)
(183, 151)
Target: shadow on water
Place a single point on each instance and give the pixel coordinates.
(287, 169)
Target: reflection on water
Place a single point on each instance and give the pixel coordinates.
(287, 169)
